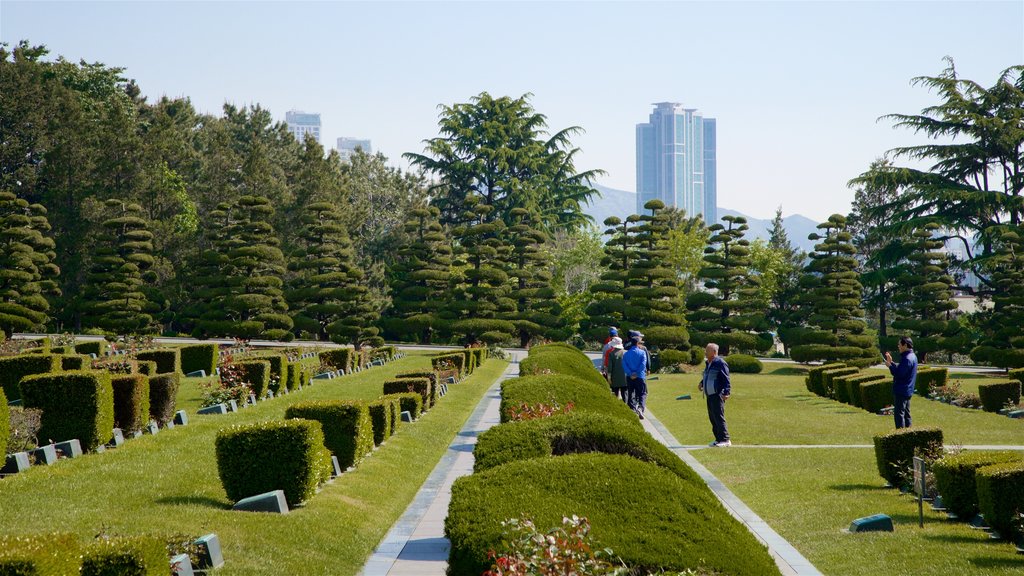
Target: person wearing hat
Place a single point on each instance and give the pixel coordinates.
(613, 334)
(616, 373)
(637, 363)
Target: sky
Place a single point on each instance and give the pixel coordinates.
(797, 87)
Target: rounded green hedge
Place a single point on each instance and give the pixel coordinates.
(39, 554)
(137, 555)
(558, 359)
(954, 478)
(584, 395)
(574, 433)
(348, 432)
(650, 517)
(743, 364)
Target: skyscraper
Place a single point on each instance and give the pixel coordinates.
(676, 161)
(347, 146)
(302, 123)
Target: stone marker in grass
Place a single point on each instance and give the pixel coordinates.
(875, 523)
(272, 501)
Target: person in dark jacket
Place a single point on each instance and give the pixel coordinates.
(904, 378)
(636, 362)
(616, 372)
(717, 387)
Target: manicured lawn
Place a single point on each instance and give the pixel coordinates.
(809, 495)
(168, 484)
(776, 408)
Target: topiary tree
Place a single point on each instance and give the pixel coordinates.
(328, 296)
(421, 277)
(611, 292)
(832, 297)
(113, 298)
(928, 287)
(653, 299)
(537, 311)
(727, 313)
(480, 302)
(27, 271)
(1003, 344)
(242, 275)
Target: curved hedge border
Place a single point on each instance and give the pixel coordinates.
(562, 389)
(560, 359)
(651, 518)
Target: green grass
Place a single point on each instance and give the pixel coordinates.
(168, 484)
(776, 408)
(809, 495)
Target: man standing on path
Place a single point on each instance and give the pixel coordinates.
(636, 362)
(717, 387)
(904, 377)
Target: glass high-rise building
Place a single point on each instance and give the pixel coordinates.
(348, 146)
(676, 162)
(302, 123)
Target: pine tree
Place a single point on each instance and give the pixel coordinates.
(537, 311)
(1003, 344)
(420, 278)
(328, 296)
(114, 298)
(611, 291)
(832, 297)
(783, 311)
(928, 288)
(654, 305)
(244, 269)
(27, 271)
(727, 313)
(480, 301)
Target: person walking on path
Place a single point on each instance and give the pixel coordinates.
(904, 378)
(637, 363)
(717, 387)
(616, 373)
(613, 334)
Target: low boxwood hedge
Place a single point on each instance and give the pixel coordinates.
(74, 362)
(1017, 374)
(168, 360)
(813, 380)
(39, 555)
(195, 357)
(851, 386)
(651, 518)
(14, 368)
(5, 423)
(410, 402)
(163, 397)
(876, 395)
(257, 374)
(470, 360)
(560, 360)
(148, 367)
(563, 390)
(99, 347)
(995, 395)
(291, 379)
(445, 362)
(828, 389)
(929, 378)
(574, 433)
(894, 452)
(348, 432)
(340, 358)
(74, 404)
(421, 386)
(396, 410)
(287, 455)
(955, 478)
(433, 384)
(380, 417)
(743, 364)
(123, 556)
(131, 401)
(1001, 496)
(277, 365)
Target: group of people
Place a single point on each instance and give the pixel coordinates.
(626, 365)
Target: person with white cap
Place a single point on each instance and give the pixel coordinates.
(616, 373)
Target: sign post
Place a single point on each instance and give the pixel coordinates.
(920, 487)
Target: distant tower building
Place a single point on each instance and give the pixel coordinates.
(302, 123)
(348, 146)
(676, 161)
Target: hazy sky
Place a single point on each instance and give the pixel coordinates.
(796, 86)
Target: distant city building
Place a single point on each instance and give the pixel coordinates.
(676, 161)
(302, 123)
(348, 146)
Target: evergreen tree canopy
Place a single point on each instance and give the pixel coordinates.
(421, 277)
(537, 311)
(832, 296)
(783, 311)
(114, 298)
(611, 291)
(727, 314)
(653, 303)
(27, 271)
(1003, 342)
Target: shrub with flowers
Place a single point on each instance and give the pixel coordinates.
(231, 385)
(527, 411)
(568, 549)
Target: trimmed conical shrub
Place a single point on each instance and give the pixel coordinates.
(653, 302)
(421, 278)
(27, 271)
(537, 311)
(1003, 343)
(611, 293)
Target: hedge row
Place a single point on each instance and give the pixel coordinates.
(42, 555)
(895, 451)
(995, 395)
(445, 362)
(131, 401)
(347, 428)
(340, 358)
(195, 357)
(14, 368)
(955, 478)
(421, 386)
(5, 423)
(168, 360)
(123, 556)
(1001, 497)
(563, 359)
(434, 388)
(813, 380)
(929, 378)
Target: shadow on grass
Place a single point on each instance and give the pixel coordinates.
(789, 371)
(913, 518)
(854, 487)
(986, 562)
(204, 501)
(956, 539)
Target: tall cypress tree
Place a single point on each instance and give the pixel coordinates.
(783, 313)
(421, 278)
(654, 304)
(727, 313)
(328, 296)
(611, 292)
(27, 271)
(832, 297)
(114, 298)
(928, 287)
(481, 301)
(537, 311)
(1003, 344)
